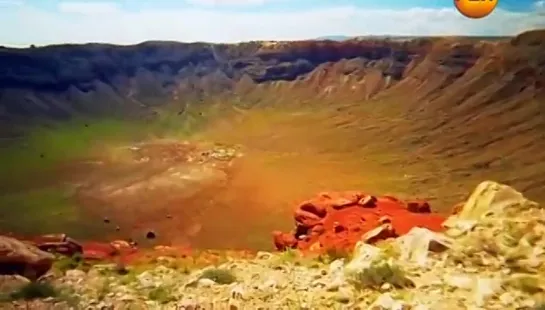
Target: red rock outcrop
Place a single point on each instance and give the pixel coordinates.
(338, 220)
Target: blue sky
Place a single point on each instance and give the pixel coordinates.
(24, 22)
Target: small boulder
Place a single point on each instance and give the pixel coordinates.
(123, 246)
(58, 243)
(99, 251)
(418, 206)
(385, 219)
(382, 232)
(363, 255)
(368, 201)
(284, 241)
(120, 244)
(341, 200)
(204, 283)
(387, 302)
(416, 244)
(151, 235)
(132, 242)
(489, 198)
(307, 218)
(17, 257)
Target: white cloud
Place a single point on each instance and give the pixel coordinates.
(10, 3)
(35, 26)
(88, 7)
(540, 8)
(227, 2)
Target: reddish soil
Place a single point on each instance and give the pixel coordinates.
(338, 220)
(333, 221)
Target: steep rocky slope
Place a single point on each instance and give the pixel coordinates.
(58, 80)
(61, 80)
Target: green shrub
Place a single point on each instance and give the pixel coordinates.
(220, 276)
(530, 284)
(161, 294)
(35, 290)
(381, 272)
(64, 263)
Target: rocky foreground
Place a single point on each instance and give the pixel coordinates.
(489, 256)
